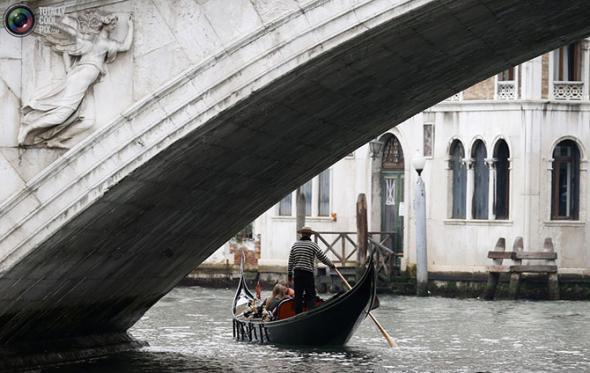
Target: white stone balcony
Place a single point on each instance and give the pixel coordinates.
(568, 90)
(506, 90)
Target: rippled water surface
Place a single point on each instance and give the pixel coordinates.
(190, 331)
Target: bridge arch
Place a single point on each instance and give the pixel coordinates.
(130, 210)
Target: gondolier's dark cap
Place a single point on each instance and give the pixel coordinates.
(305, 230)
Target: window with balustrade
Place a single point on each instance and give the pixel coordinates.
(567, 72)
(507, 84)
(565, 181)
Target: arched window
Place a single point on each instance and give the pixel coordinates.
(393, 155)
(502, 185)
(459, 183)
(481, 181)
(565, 183)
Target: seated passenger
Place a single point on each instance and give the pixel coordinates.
(279, 292)
(290, 292)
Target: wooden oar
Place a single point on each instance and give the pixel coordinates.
(386, 335)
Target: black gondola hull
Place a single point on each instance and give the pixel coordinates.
(332, 323)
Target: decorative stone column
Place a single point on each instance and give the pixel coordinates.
(491, 162)
(582, 201)
(449, 188)
(510, 195)
(548, 187)
(469, 190)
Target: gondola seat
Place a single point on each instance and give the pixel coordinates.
(286, 308)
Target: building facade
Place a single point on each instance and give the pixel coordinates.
(505, 158)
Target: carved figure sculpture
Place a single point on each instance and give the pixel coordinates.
(66, 109)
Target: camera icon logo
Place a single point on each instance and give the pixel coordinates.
(19, 20)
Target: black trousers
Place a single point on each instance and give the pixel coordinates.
(304, 286)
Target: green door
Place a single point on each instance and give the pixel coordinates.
(393, 207)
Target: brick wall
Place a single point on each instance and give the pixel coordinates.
(481, 91)
(250, 255)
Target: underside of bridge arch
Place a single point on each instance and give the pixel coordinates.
(107, 266)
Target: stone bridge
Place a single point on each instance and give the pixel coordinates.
(219, 109)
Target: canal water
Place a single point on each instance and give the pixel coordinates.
(190, 331)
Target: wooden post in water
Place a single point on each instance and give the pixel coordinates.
(515, 276)
(362, 231)
(300, 210)
(494, 277)
(553, 278)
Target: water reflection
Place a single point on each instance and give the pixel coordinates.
(190, 331)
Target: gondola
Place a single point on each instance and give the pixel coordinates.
(331, 323)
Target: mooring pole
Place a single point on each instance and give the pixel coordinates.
(420, 209)
(362, 228)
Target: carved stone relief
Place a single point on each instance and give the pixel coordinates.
(56, 114)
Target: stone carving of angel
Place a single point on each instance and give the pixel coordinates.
(58, 113)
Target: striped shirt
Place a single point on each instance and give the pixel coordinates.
(303, 253)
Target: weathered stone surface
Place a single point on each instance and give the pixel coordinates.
(119, 219)
(190, 27)
(29, 162)
(11, 46)
(269, 10)
(10, 71)
(9, 111)
(11, 180)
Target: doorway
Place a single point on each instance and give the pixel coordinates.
(392, 192)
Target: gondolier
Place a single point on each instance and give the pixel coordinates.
(301, 267)
(330, 324)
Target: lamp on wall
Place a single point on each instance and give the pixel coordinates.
(375, 147)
